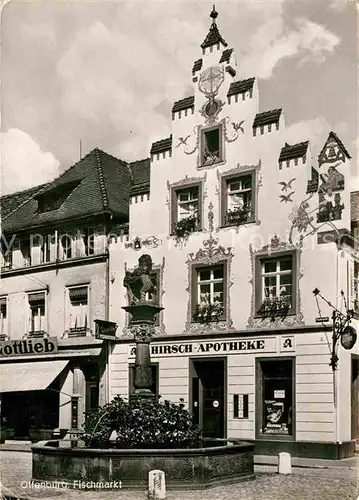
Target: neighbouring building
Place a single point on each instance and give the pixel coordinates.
(241, 228)
(54, 284)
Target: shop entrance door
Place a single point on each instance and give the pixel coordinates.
(208, 396)
(355, 399)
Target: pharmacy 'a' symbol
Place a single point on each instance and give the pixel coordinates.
(287, 343)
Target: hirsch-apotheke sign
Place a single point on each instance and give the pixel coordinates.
(222, 346)
(25, 347)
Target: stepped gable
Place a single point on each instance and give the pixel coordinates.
(161, 146)
(240, 87)
(267, 117)
(289, 152)
(186, 103)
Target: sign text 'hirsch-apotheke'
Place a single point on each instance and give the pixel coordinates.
(210, 347)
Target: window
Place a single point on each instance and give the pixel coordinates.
(37, 325)
(186, 209)
(25, 253)
(89, 240)
(276, 280)
(7, 253)
(47, 248)
(155, 378)
(65, 246)
(238, 200)
(275, 398)
(211, 146)
(78, 316)
(3, 316)
(209, 293)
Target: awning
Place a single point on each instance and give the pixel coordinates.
(31, 376)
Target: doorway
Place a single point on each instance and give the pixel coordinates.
(208, 396)
(355, 399)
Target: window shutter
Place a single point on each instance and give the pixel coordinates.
(173, 212)
(3, 301)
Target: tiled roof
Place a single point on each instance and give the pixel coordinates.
(333, 135)
(140, 176)
(354, 206)
(267, 117)
(240, 87)
(187, 102)
(11, 202)
(162, 145)
(226, 55)
(289, 152)
(213, 37)
(98, 183)
(197, 65)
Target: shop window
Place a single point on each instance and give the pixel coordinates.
(37, 304)
(186, 210)
(155, 378)
(78, 310)
(3, 318)
(275, 398)
(275, 281)
(208, 293)
(211, 146)
(237, 202)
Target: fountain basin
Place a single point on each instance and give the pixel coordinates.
(184, 468)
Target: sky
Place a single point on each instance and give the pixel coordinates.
(107, 73)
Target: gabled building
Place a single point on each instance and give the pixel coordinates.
(54, 284)
(242, 227)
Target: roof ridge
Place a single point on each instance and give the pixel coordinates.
(39, 186)
(101, 177)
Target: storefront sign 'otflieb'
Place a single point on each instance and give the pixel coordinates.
(26, 347)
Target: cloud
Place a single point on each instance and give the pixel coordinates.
(272, 43)
(316, 131)
(339, 5)
(23, 163)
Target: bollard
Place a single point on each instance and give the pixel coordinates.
(156, 485)
(284, 463)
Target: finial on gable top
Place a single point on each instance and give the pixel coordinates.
(214, 14)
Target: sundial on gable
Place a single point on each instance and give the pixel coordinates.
(210, 80)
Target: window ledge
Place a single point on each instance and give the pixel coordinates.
(36, 334)
(210, 165)
(76, 261)
(226, 226)
(189, 234)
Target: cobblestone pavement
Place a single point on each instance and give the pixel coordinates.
(302, 484)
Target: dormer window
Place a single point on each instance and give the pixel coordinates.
(53, 198)
(211, 146)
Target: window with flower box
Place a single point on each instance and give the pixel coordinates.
(211, 145)
(37, 317)
(208, 294)
(186, 209)
(238, 199)
(275, 285)
(78, 310)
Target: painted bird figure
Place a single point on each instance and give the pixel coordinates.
(286, 198)
(183, 140)
(238, 126)
(286, 185)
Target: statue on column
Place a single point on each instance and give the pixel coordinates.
(141, 286)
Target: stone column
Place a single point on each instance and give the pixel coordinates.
(143, 374)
